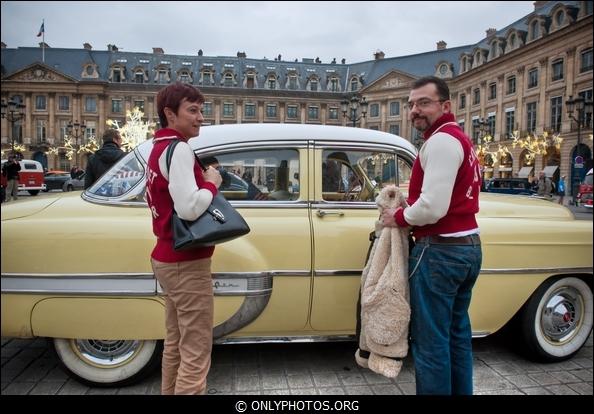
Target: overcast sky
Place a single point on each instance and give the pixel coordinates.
(295, 30)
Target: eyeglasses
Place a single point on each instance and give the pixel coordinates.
(422, 103)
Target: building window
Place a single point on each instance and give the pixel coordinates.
(333, 114)
(90, 130)
(492, 91)
(139, 105)
(249, 110)
(116, 75)
(586, 61)
(560, 18)
(207, 109)
(116, 106)
(556, 110)
(476, 96)
(228, 81)
(63, 103)
(533, 78)
(292, 82)
(313, 85)
(511, 85)
(394, 108)
(271, 83)
(587, 95)
(394, 129)
(531, 117)
(334, 85)
(491, 125)
(41, 130)
(162, 76)
(228, 109)
(184, 77)
(271, 111)
(354, 84)
(250, 81)
(90, 104)
(139, 76)
(291, 111)
(557, 70)
(462, 103)
(374, 110)
(206, 78)
(535, 30)
(510, 122)
(63, 129)
(40, 103)
(313, 113)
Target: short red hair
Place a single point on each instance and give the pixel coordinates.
(171, 97)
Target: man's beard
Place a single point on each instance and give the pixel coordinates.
(421, 128)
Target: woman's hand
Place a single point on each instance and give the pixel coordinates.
(213, 175)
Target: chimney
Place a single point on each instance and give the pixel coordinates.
(379, 55)
(112, 48)
(158, 51)
(441, 45)
(539, 4)
(491, 32)
(87, 46)
(3, 45)
(43, 44)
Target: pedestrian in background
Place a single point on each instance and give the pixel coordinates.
(185, 276)
(446, 260)
(545, 185)
(10, 170)
(561, 189)
(105, 157)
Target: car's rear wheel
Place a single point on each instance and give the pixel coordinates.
(108, 363)
(557, 319)
(69, 187)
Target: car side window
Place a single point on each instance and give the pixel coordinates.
(120, 179)
(257, 175)
(359, 175)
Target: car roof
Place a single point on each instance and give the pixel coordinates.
(215, 135)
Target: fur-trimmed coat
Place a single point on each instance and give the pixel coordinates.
(385, 308)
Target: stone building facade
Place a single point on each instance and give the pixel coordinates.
(514, 79)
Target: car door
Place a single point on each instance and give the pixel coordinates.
(346, 181)
(272, 264)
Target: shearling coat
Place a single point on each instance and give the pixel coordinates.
(385, 308)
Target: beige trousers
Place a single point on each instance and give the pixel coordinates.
(189, 312)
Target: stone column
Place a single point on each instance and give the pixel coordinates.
(51, 132)
(520, 95)
(500, 123)
(542, 99)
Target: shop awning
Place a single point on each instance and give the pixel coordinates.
(550, 170)
(525, 172)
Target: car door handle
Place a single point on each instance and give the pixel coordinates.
(322, 213)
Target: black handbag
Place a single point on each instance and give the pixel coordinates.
(218, 224)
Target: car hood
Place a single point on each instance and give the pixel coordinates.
(517, 206)
(27, 206)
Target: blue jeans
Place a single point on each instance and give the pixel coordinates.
(441, 281)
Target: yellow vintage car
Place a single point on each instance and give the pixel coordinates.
(307, 193)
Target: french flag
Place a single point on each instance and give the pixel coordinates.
(41, 30)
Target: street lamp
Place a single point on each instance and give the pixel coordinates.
(13, 111)
(354, 103)
(578, 104)
(76, 130)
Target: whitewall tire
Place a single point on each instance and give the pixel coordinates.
(108, 363)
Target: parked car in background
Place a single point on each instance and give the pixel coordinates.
(295, 276)
(30, 177)
(584, 195)
(55, 179)
(509, 186)
(73, 184)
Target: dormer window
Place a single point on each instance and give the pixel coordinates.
(271, 82)
(117, 74)
(512, 41)
(228, 79)
(292, 81)
(139, 76)
(535, 30)
(313, 84)
(333, 85)
(560, 18)
(354, 84)
(207, 77)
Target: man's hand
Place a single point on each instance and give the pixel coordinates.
(388, 217)
(212, 175)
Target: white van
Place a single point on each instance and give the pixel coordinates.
(30, 176)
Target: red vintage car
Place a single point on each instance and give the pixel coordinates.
(30, 176)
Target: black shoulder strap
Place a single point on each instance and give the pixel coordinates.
(169, 155)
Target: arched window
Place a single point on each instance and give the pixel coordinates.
(535, 30)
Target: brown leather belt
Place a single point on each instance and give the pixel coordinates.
(472, 239)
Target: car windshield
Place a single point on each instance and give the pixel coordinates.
(121, 181)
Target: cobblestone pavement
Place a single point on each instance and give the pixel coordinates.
(30, 367)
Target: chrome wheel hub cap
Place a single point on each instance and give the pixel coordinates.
(106, 353)
(561, 315)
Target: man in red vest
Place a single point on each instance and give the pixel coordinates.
(446, 259)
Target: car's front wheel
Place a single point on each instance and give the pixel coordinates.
(69, 187)
(108, 363)
(557, 319)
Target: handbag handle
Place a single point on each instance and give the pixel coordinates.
(169, 156)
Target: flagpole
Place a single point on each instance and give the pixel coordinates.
(43, 41)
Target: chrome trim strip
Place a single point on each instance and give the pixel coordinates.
(338, 272)
(302, 339)
(251, 145)
(537, 270)
(346, 205)
(134, 284)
